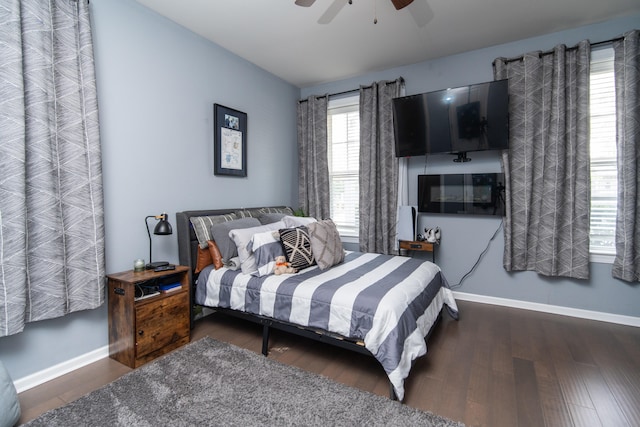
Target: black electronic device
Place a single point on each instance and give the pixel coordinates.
(165, 268)
(456, 120)
(144, 290)
(476, 194)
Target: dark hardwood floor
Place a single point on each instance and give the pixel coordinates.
(497, 366)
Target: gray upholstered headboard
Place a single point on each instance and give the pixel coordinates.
(187, 240)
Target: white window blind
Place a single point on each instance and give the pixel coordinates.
(603, 153)
(344, 152)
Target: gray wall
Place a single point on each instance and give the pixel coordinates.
(157, 85)
(465, 237)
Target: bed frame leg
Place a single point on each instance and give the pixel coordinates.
(265, 340)
(392, 392)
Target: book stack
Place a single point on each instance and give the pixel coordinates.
(170, 287)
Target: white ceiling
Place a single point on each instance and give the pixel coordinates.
(287, 41)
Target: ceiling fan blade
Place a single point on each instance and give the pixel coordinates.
(399, 4)
(305, 3)
(421, 12)
(332, 11)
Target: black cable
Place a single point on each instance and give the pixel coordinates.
(459, 284)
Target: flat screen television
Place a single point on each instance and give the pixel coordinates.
(474, 194)
(455, 121)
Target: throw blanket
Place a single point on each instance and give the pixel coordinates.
(389, 302)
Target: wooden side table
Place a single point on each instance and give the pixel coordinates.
(411, 245)
(141, 329)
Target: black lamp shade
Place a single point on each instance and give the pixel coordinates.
(163, 228)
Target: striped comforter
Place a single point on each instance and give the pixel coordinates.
(389, 302)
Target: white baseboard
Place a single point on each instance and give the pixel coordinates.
(553, 309)
(60, 369)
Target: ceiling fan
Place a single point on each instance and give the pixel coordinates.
(420, 10)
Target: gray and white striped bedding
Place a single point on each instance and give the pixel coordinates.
(389, 302)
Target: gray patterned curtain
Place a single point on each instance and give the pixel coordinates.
(313, 167)
(547, 164)
(626, 265)
(51, 213)
(378, 168)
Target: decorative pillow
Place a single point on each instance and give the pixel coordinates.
(296, 221)
(204, 259)
(297, 247)
(281, 209)
(256, 212)
(216, 256)
(220, 234)
(242, 239)
(202, 225)
(244, 213)
(265, 247)
(325, 243)
(268, 218)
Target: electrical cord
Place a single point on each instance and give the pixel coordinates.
(459, 284)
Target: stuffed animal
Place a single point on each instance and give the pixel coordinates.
(282, 266)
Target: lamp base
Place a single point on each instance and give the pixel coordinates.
(156, 264)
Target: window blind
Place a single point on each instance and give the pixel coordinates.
(603, 153)
(344, 152)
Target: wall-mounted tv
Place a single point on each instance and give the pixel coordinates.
(474, 193)
(456, 120)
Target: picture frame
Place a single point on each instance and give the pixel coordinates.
(230, 141)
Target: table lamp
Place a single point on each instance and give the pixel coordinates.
(163, 228)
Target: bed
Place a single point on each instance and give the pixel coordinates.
(380, 305)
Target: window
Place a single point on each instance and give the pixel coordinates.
(604, 183)
(343, 129)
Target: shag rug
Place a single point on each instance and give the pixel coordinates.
(212, 383)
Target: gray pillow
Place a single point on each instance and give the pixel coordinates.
(270, 218)
(220, 234)
(202, 225)
(325, 243)
(9, 404)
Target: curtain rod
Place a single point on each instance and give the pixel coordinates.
(344, 92)
(549, 52)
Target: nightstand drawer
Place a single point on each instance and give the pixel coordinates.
(161, 322)
(416, 246)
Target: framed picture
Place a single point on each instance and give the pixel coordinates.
(230, 141)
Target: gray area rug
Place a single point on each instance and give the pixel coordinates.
(212, 383)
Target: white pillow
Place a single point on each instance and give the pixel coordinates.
(266, 247)
(297, 221)
(242, 239)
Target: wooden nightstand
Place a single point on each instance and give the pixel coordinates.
(141, 329)
(410, 245)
